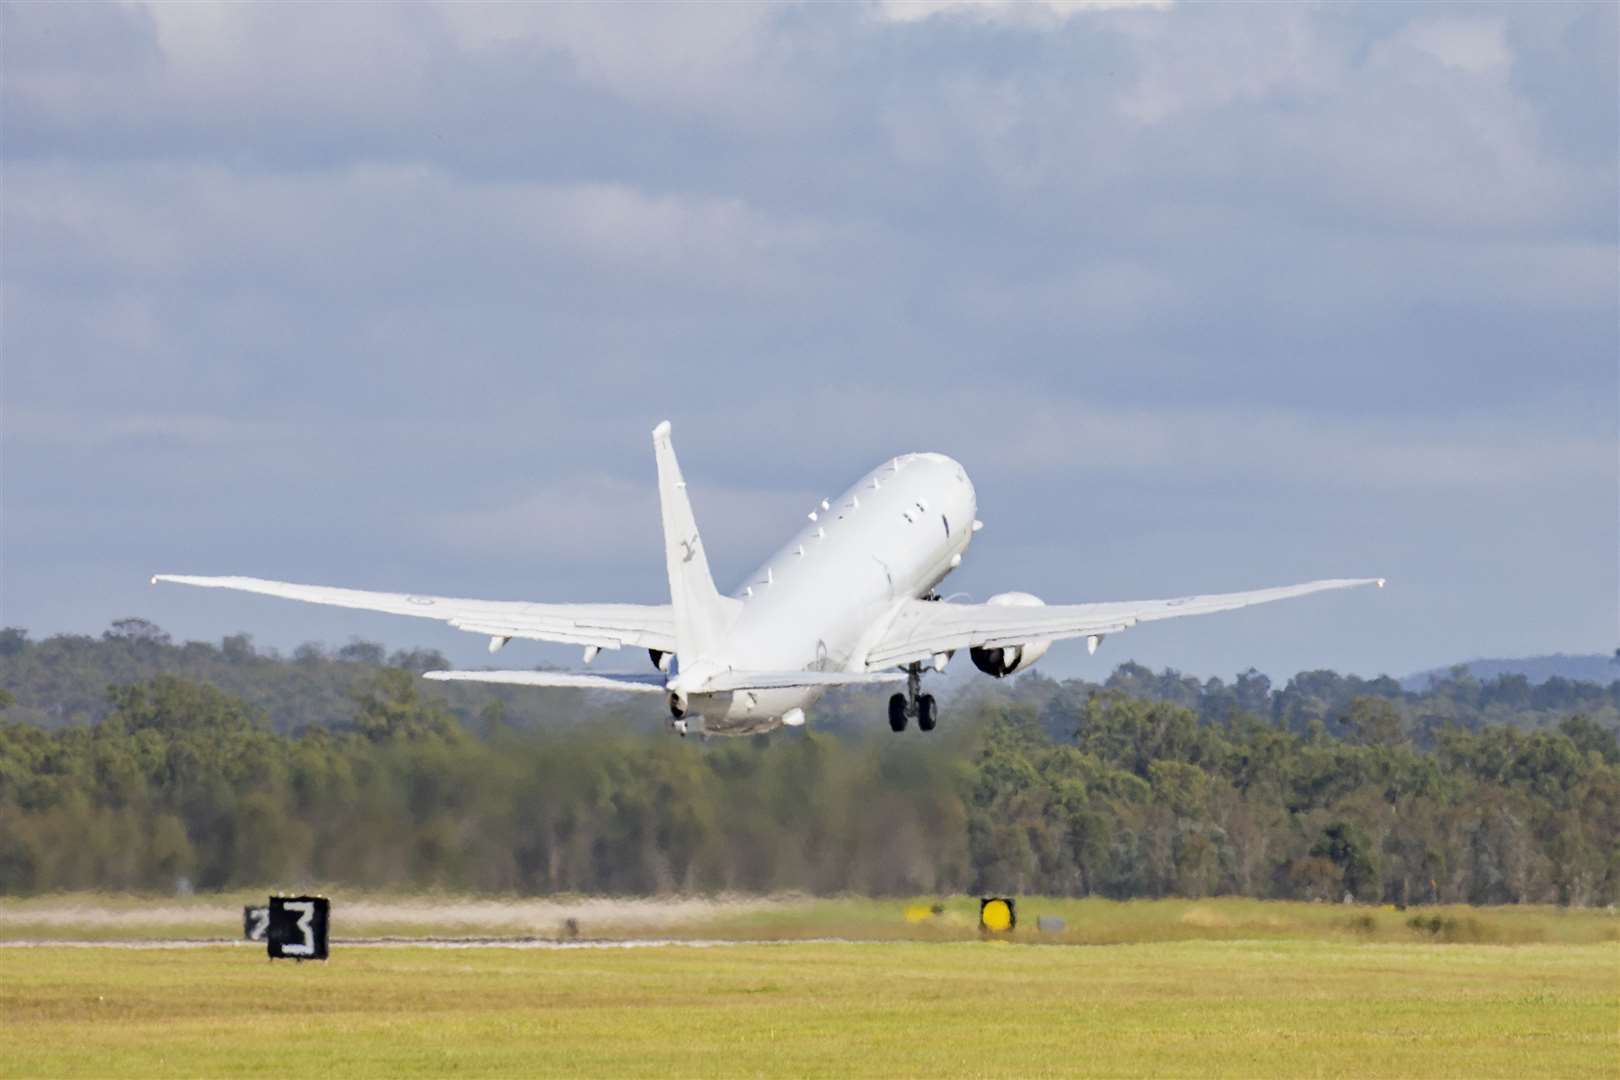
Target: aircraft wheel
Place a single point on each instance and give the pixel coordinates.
(897, 712)
(926, 712)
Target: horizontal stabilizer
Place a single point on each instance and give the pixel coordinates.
(725, 682)
(635, 684)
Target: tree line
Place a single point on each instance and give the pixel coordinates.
(63, 680)
(1031, 786)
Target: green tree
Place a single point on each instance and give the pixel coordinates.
(1346, 846)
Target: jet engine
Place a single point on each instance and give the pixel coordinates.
(1001, 661)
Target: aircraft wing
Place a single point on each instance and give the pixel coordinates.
(607, 626)
(923, 628)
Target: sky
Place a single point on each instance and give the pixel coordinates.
(1205, 297)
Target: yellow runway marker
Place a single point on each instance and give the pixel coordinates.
(997, 914)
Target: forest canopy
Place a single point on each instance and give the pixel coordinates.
(132, 763)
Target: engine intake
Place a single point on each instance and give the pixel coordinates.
(1002, 660)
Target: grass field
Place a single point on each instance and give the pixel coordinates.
(1173, 987)
(1192, 1008)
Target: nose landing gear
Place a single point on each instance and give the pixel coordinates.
(913, 703)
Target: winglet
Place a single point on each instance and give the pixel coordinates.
(701, 612)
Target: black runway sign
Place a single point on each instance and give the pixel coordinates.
(298, 926)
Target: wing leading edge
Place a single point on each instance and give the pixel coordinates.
(606, 626)
(922, 629)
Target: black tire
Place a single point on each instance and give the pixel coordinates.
(926, 712)
(897, 712)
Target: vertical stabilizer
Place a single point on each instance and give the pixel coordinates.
(701, 613)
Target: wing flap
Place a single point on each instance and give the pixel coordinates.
(561, 634)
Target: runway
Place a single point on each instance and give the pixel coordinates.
(439, 943)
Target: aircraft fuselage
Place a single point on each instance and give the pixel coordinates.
(820, 601)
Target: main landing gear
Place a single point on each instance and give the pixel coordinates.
(902, 707)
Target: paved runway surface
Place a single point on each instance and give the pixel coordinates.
(438, 943)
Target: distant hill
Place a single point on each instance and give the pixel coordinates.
(1592, 668)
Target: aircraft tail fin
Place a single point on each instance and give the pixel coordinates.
(701, 613)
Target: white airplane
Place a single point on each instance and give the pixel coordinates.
(848, 601)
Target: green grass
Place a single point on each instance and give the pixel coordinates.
(1190, 1008)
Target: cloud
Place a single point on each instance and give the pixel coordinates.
(1476, 46)
(1020, 437)
(1029, 13)
(167, 69)
(380, 291)
(722, 59)
(602, 519)
(1197, 61)
(385, 225)
(131, 431)
(1105, 293)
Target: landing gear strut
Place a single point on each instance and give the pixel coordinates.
(913, 703)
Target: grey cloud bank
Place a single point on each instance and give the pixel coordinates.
(1204, 296)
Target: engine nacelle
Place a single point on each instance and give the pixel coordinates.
(1004, 660)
